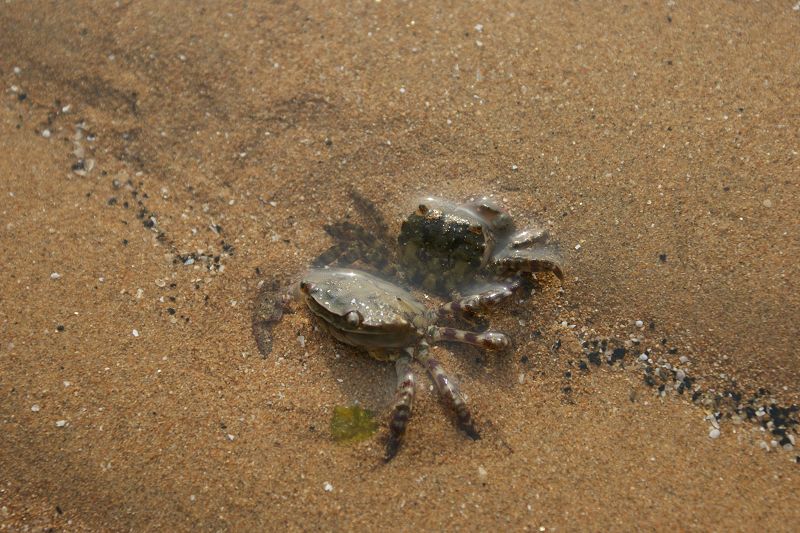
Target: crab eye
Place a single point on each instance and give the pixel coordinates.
(306, 286)
(495, 215)
(422, 209)
(528, 238)
(353, 318)
(488, 210)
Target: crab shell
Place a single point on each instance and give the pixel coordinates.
(445, 245)
(362, 310)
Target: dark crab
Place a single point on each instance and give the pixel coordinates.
(450, 249)
(444, 246)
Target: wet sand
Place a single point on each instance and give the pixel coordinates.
(159, 160)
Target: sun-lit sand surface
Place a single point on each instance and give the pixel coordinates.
(159, 159)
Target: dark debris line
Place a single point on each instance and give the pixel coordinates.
(211, 261)
(732, 404)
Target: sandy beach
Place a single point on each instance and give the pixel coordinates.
(161, 161)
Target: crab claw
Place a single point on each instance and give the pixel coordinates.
(492, 213)
(528, 238)
(529, 251)
(539, 259)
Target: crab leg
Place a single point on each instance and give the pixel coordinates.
(530, 257)
(488, 340)
(493, 295)
(403, 402)
(448, 389)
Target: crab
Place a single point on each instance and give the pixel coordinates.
(447, 248)
(367, 312)
(472, 254)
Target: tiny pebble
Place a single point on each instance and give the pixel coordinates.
(302, 340)
(46, 134)
(680, 375)
(577, 246)
(135, 333)
(55, 275)
(639, 323)
(683, 359)
(35, 408)
(328, 487)
(160, 283)
(767, 203)
(231, 437)
(643, 357)
(714, 433)
(521, 378)
(61, 423)
(482, 473)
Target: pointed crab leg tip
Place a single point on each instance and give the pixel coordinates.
(471, 432)
(497, 341)
(553, 266)
(391, 451)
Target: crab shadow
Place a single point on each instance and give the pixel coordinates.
(363, 380)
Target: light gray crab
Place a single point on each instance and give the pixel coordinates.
(450, 249)
(367, 312)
